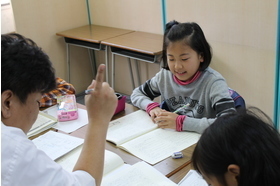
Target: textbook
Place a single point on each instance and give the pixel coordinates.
(137, 134)
(116, 172)
(43, 122)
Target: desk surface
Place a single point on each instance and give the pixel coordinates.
(142, 42)
(93, 33)
(169, 167)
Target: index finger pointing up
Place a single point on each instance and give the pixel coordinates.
(99, 76)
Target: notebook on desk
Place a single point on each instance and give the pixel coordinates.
(56, 144)
(117, 172)
(137, 134)
(43, 122)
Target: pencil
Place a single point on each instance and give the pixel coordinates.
(179, 109)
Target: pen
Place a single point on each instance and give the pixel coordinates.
(119, 96)
(88, 91)
(179, 109)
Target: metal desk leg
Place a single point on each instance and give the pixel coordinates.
(68, 61)
(92, 61)
(131, 73)
(137, 71)
(113, 71)
(107, 63)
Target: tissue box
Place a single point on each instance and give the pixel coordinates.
(121, 103)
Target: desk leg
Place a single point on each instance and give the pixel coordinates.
(68, 61)
(107, 62)
(131, 73)
(137, 71)
(113, 71)
(92, 61)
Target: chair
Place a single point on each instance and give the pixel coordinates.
(239, 102)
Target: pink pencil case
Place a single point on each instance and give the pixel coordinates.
(67, 108)
(121, 103)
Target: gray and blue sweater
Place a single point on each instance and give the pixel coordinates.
(207, 97)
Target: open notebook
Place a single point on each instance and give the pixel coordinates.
(137, 134)
(56, 144)
(117, 173)
(66, 149)
(43, 122)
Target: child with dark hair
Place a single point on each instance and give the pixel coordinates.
(193, 93)
(26, 74)
(239, 149)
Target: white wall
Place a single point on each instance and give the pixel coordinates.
(41, 20)
(7, 18)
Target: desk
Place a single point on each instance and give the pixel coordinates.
(90, 37)
(142, 46)
(168, 167)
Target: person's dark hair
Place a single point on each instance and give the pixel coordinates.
(247, 139)
(192, 35)
(25, 68)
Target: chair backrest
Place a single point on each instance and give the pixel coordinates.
(238, 100)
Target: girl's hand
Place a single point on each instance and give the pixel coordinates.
(155, 112)
(166, 120)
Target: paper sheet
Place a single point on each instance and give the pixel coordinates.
(56, 144)
(192, 179)
(69, 126)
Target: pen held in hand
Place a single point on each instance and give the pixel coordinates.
(88, 91)
(181, 108)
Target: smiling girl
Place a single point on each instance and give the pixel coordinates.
(188, 86)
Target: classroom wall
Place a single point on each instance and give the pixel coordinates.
(41, 20)
(243, 37)
(241, 33)
(145, 16)
(7, 18)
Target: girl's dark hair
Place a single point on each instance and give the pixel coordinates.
(25, 68)
(192, 35)
(246, 139)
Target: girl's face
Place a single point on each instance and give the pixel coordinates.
(182, 60)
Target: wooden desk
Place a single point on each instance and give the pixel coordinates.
(90, 37)
(169, 167)
(142, 46)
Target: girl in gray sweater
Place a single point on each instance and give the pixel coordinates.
(194, 94)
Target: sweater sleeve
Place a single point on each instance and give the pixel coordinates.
(221, 103)
(197, 124)
(143, 95)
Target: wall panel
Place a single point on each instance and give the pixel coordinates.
(243, 38)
